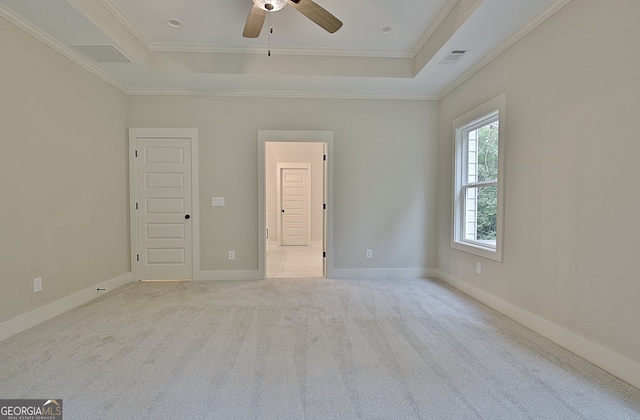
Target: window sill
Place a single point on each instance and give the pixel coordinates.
(479, 250)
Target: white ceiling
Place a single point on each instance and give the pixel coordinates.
(208, 55)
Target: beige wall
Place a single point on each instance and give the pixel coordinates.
(294, 152)
(571, 242)
(384, 161)
(63, 176)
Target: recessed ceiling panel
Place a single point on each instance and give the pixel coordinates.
(197, 47)
(219, 23)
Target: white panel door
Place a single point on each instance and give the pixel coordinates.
(295, 206)
(164, 225)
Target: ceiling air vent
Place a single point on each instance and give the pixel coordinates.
(102, 53)
(453, 57)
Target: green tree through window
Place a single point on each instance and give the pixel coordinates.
(487, 171)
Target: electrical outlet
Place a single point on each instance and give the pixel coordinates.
(478, 267)
(37, 285)
(232, 255)
(369, 254)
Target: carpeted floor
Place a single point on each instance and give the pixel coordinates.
(302, 349)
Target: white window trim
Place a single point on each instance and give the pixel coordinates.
(499, 105)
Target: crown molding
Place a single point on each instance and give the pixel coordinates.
(283, 94)
(173, 48)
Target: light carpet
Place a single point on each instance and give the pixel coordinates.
(302, 349)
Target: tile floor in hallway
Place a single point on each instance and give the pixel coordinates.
(294, 261)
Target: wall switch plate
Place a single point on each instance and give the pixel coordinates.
(478, 267)
(369, 253)
(37, 284)
(217, 201)
(232, 255)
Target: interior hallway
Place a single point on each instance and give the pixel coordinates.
(294, 261)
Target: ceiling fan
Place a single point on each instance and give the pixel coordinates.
(261, 8)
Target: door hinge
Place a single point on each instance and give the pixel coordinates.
(324, 254)
(136, 206)
(324, 206)
(324, 157)
(136, 154)
(137, 257)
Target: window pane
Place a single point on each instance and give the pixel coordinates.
(472, 156)
(483, 153)
(480, 214)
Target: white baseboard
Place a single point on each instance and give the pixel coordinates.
(228, 275)
(37, 316)
(386, 273)
(612, 362)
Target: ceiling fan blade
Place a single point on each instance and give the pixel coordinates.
(254, 23)
(316, 13)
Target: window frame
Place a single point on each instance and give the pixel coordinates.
(494, 109)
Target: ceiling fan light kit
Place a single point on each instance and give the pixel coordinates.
(270, 5)
(310, 9)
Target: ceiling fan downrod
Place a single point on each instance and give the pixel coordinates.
(270, 32)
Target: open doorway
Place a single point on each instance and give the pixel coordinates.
(294, 202)
(295, 196)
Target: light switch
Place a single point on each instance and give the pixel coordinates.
(217, 201)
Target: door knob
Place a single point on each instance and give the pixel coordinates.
(187, 216)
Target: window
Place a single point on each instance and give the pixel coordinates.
(478, 181)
